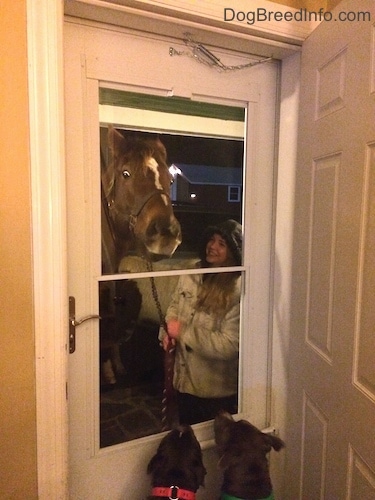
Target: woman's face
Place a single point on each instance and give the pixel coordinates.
(217, 251)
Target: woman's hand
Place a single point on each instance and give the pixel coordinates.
(167, 343)
(174, 328)
(173, 331)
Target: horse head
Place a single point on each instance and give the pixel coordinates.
(136, 187)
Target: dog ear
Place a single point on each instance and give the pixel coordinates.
(230, 458)
(154, 463)
(224, 461)
(222, 426)
(274, 442)
(200, 472)
(159, 461)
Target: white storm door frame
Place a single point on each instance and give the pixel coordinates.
(47, 164)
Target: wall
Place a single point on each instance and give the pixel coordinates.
(311, 5)
(18, 462)
(18, 465)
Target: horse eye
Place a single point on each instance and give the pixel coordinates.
(126, 174)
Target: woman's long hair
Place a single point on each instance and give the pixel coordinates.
(216, 292)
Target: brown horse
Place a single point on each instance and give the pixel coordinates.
(137, 211)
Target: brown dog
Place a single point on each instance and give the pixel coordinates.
(177, 467)
(243, 457)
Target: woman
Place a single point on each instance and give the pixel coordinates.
(203, 323)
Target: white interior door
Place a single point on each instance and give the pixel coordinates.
(97, 55)
(331, 436)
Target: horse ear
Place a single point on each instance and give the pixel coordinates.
(160, 146)
(115, 141)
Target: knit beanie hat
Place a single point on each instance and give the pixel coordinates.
(231, 231)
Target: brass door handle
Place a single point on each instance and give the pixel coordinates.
(73, 322)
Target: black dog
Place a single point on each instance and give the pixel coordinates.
(243, 457)
(177, 468)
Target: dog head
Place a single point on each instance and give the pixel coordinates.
(178, 461)
(243, 453)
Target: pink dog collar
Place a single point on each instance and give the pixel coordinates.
(173, 493)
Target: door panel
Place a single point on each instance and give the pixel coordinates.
(330, 438)
(114, 58)
(132, 308)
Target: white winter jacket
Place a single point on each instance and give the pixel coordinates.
(206, 362)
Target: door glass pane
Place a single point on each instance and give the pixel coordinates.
(198, 184)
(131, 365)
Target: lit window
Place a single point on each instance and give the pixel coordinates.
(234, 193)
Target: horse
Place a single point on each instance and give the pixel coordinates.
(137, 213)
(131, 316)
(137, 219)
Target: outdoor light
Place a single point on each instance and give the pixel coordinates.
(174, 170)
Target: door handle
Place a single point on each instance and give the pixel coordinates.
(73, 322)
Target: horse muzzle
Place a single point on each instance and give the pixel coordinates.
(162, 237)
